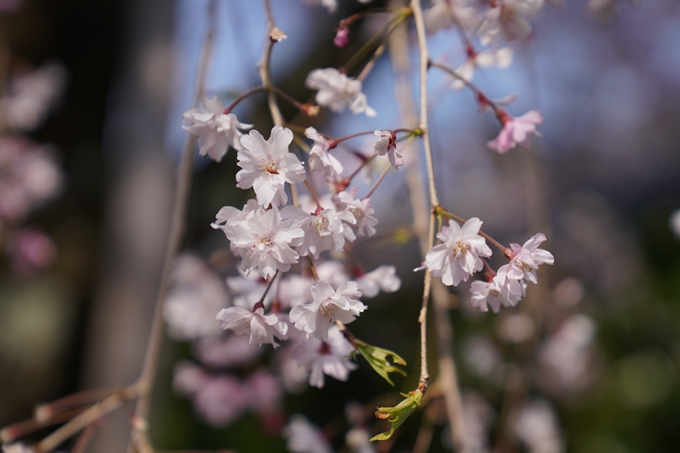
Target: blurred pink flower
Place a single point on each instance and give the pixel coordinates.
(30, 250)
(516, 131)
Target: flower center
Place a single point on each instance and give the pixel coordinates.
(264, 242)
(324, 349)
(357, 213)
(461, 248)
(327, 310)
(320, 222)
(270, 167)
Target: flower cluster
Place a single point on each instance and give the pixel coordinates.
(461, 252)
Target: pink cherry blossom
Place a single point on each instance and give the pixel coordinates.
(303, 437)
(387, 144)
(361, 209)
(216, 130)
(329, 357)
(261, 328)
(320, 159)
(383, 278)
(459, 254)
(268, 165)
(516, 131)
(337, 91)
(328, 306)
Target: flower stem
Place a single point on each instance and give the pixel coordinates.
(241, 97)
(461, 220)
(377, 182)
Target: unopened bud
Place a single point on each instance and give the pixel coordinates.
(310, 110)
(277, 35)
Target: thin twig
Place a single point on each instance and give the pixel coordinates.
(184, 173)
(377, 182)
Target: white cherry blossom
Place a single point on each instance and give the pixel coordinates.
(328, 306)
(320, 159)
(337, 91)
(323, 230)
(387, 144)
(329, 357)
(458, 256)
(247, 289)
(383, 278)
(361, 209)
(516, 131)
(447, 13)
(261, 328)
(216, 130)
(263, 241)
(268, 165)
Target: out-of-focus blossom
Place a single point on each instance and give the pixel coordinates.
(383, 278)
(568, 293)
(263, 391)
(387, 144)
(320, 159)
(323, 230)
(303, 437)
(458, 256)
(10, 5)
(216, 130)
(479, 416)
(516, 131)
(294, 290)
(16, 447)
(268, 165)
(247, 289)
(674, 222)
(232, 350)
(29, 176)
(30, 250)
(188, 378)
(328, 306)
(197, 294)
(330, 5)
(359, 440)
(221, 400)
(263, 241)
(329, 357)
(537, 427)
(567, 356)
(447, 13)
(361, 209)
(261, 328)
(483, 59)
(481, 356)
(333, 272)
(515, 328)
(337, 91)
(30, 96)
(509, 20)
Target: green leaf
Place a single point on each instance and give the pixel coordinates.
(398, 414)
(378, 359)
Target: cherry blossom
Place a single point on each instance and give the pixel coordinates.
(216, 130)
(320, 159)
(322, 230)
(447, 13)
(247, 289)
(458, 256)
(268, 165)
(527, 258)
(509, 19)
(337, 91)
(232, 350)
(341, 37)
(294, 290)
(16, 447)
(516, 131)
(383, 278)
(263, 391)
(263, 241)
(328, 306)
(483, 59)
(303, 437)
(361, 209)
(537, 427)
(325, 357)
(261, 328)
(197, 293)
(387, 144)
(485, 295)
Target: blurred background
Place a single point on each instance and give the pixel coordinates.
(91, 133)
